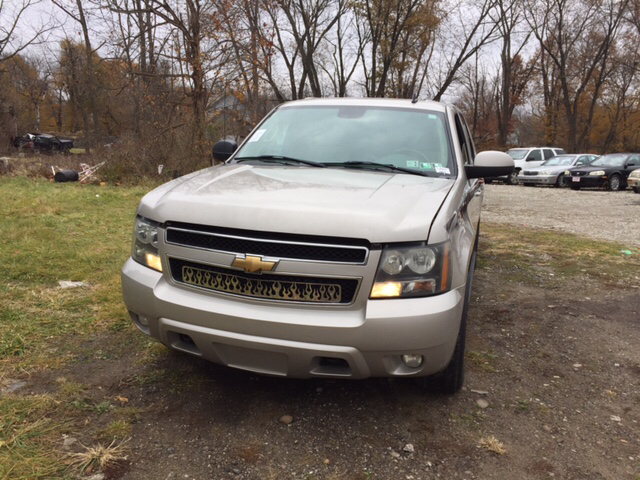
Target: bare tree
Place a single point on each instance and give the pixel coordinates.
(577, 37)
(383, 26)
(14, 38)
(187, 23)
(471, 29)
(345, 51)
(514, 74)
(79, 16)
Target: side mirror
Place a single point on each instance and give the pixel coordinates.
(223, 149)
(490, 164)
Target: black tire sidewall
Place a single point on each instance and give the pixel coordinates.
(619, 183)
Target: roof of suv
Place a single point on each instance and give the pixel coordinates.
(369, 102)
(531, 148)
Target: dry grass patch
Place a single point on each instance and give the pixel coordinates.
(492, 444)
(99, 457)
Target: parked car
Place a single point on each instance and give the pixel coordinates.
(43, 142)
(528, 158)
(634, 180)
(608, 171)
(338, 241)
(552, 171)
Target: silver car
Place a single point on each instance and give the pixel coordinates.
(552, 172)
(339, 240)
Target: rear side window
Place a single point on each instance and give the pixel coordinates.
(465, 143)
(548, 153)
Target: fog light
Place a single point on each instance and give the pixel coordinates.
(153, 261)
(413, 360)
(144, 321)
(386, 289)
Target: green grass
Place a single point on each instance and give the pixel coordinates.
(535, 256)
(28, 435)
(53, 232)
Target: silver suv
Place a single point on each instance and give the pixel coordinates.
(339, 240)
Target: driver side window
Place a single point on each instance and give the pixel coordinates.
(534, 155)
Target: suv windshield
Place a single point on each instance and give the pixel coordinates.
(518, 153)
(369, 137)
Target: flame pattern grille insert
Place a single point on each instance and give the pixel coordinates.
(272, 287)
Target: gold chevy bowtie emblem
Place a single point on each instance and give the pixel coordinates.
(253, 264)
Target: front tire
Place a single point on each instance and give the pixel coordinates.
(636, 189)
(512, 179)
(614, 183)
(451, 379)
(561, 182)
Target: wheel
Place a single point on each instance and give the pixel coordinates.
(575, 187)
(636, 189)
(488, 180)
(451, 379)
(561, 182)
(512, 179)
(614, 183)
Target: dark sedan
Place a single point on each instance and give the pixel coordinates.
(43, 142)
(609, 171)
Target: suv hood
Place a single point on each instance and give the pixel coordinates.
(378, 206)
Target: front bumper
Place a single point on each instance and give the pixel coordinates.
(538, 179)
(299, 341)
(587, 181)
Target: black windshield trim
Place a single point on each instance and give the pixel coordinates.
(382, 166)
(278, 159)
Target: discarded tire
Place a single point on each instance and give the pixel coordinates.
(66, 176)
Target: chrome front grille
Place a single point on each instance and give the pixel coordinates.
(288, 288)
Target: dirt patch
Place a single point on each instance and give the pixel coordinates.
(611, 216)
(559, 369)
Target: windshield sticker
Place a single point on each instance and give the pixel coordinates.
(413, 163)
(443, 170)
(256, 136)
(426, 166)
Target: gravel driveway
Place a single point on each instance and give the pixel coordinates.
(613, 216)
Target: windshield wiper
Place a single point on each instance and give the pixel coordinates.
(380, 166)
(279, 159)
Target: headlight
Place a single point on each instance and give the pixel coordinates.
(567, 173)
(413, 271)
(145, 243)
(635, 174)
(545, 172)
(597, 173)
